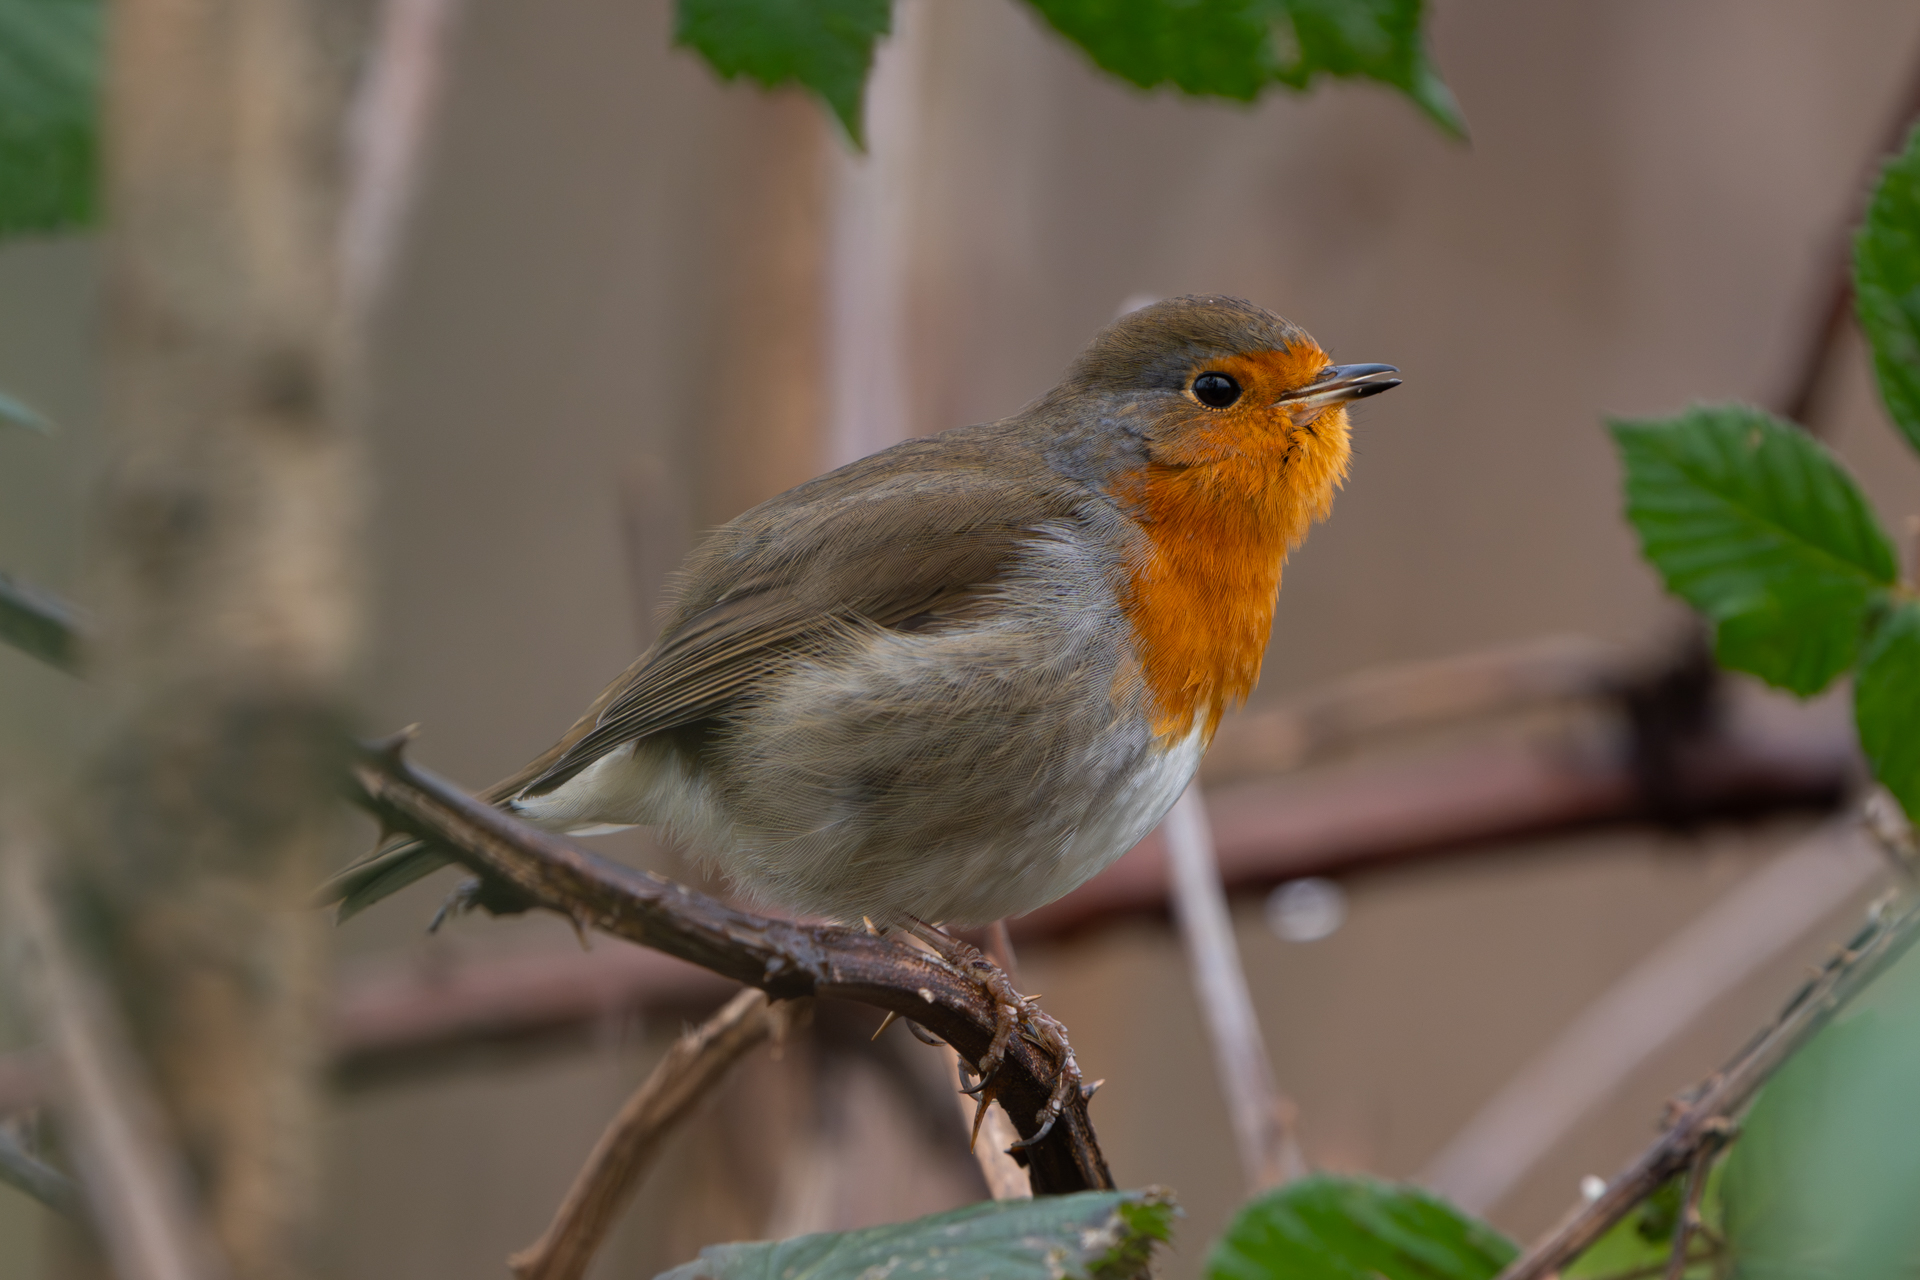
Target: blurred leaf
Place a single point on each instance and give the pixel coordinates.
(1886, 705)
(823, 45)
(1343, 1228)
(1824, 1178)
(20, 1169)
(1213, 48)
(1755, 524)
(1886, 286)
(1642, 1242)
(1095, 1235)
(21, 414)
(1378, 39)
(39, 623)
(1236, 48)
(50, 55)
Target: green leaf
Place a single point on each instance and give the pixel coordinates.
(22, 1170)
(1237, 48)
(1378, 39)
(1886, 705)
(823, 45)
(40, 624)
(1823, 1180)
(1755, 524)
(21, 414)
(1886, 286)
(1211, 48)
(1341, 1228)
(50, 55)
(1095, 1235)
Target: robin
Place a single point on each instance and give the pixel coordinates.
(952, 681)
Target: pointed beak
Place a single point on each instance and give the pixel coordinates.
(1339, 383)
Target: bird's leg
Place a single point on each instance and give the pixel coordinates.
(495, 897)
(1014, 1014)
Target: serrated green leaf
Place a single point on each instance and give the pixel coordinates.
(1886, 286)
(1237, 48)
(40, 624)
(1349, 1228)
(50, 53)
(826, 46)
(1886, 705)
(19, 413)
(1095, 1235)
(1755, 523)
(1821, 1184)
(1379, 39)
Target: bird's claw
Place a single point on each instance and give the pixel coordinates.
(1066, 1081)
(1013, 1014)
(465, 897)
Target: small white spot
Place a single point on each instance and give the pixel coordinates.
(1306, 910)
(926, 995)
(1592, 1188)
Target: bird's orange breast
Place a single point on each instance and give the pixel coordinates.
(1219, 526)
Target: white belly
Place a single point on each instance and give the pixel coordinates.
(1110, 830)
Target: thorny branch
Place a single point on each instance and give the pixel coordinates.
(522, 867)
(1703, 1119)
(697, 1062)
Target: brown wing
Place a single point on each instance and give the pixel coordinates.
(798, 572)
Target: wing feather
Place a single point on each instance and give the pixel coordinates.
(863, 561)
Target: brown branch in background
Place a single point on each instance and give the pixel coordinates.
(1508, 780)
(1706, 1118)
(390, 123)
(696, 1063)
(1269, 1153)
(522, 867)
(135, 1183)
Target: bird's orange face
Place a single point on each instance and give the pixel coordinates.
(1241, 465)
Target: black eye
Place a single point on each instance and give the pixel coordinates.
(1215, 389)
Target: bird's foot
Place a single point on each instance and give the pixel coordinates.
(1014, 1014)
(479, 893)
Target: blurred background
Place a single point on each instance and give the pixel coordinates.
(633, 300)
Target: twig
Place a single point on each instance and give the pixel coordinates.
(389, 124)
(19, 1168)
(1644, 1010)
(1891, 928)
(697, 1062)
(136, 1185)
(1269, 1154)
(782, 958)
(1688, 1223)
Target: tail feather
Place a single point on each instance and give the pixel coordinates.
(388, 869)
